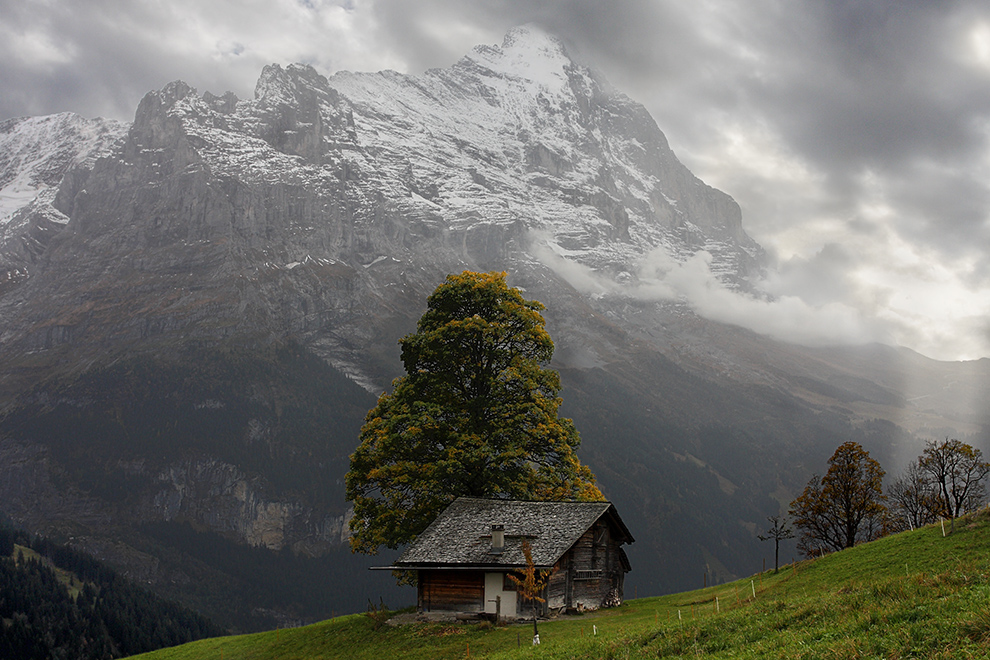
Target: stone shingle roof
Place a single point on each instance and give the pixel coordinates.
(460, 537)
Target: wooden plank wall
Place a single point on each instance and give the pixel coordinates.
(557, 589)
(451, 591)
(596, 550)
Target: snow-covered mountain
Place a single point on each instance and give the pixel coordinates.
(520, 136)
(179, 298)
(35, 154)
(514, 158)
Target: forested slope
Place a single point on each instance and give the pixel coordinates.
(56, 602)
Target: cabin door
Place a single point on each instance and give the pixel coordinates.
(495, 588)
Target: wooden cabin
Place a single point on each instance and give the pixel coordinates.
(463, 557)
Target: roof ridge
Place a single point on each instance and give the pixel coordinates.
(499, 499)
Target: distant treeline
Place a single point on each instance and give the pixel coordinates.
(104, 617)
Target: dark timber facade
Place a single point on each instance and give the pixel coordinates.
(463, 557)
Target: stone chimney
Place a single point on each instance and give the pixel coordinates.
(498, 539)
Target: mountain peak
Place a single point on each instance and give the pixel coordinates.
(529, 39)
(278, 85)
(527, 52)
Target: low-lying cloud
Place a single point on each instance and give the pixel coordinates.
(659, 277)
(821, 301)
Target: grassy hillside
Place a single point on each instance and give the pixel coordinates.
(913, 595)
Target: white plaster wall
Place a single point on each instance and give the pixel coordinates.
(493, 588)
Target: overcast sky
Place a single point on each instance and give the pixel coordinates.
(855, 134)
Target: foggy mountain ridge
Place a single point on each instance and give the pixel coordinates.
(197, 309)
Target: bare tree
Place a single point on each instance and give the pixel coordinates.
(778, 532)
(957, 470)
(913, 499)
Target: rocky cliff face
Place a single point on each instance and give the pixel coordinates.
(180, 297)
(314, 207)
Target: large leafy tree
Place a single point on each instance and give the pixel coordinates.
(475, 414)
(843, 507)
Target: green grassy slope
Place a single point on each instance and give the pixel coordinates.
(913, 595)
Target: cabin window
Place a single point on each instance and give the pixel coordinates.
(588, 575)
(507, 583)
